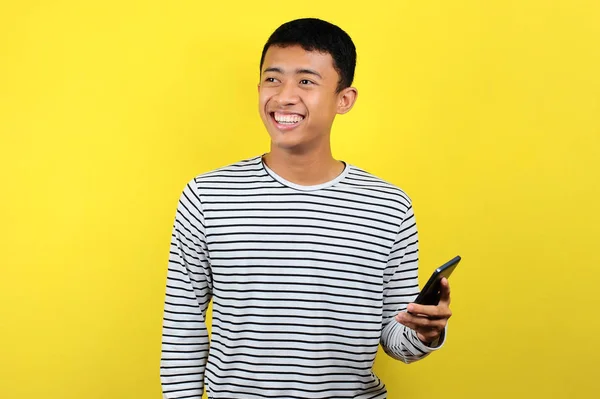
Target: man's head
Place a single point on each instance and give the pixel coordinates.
(307, 68)
(319, 36)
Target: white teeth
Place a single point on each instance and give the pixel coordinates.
(288, 118)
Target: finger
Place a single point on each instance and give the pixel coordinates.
(434, 330)
(415, 322)
(427, 330)
(431, 332)
(423, 310)
(406, 323)
(430, 311)
(428, 336)
(406, 320)
(444, 291)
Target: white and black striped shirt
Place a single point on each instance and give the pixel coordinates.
(305, 283)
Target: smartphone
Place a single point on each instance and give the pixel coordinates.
(430, 294)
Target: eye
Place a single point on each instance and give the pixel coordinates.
(270, 80)
(306, 82)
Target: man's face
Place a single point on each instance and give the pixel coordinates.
(297, 97)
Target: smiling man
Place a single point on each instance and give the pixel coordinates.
(310, 262)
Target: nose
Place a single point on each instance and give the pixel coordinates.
(287, 94)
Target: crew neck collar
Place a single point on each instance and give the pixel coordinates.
(300, 187)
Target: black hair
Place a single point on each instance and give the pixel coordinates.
(314, 34)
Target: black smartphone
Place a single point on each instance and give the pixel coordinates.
(430, 294)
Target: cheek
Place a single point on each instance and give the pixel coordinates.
(261, 109)
(263, 100)
(321, 107)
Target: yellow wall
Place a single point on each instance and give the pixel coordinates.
(486, 112)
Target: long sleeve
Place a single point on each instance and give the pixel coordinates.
(400, 288)
(185, 339)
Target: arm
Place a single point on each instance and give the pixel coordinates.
(401, 286)
(188, 292)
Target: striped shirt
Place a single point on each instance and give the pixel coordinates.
(305, 283)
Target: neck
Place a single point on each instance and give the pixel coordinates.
(306, 169)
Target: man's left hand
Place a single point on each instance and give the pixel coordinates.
(428, 321)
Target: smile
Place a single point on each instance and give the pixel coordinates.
(286, 121)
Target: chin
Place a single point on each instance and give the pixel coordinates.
(287, 145)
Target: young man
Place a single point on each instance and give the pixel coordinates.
(310, 262)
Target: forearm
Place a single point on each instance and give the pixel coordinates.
(185, 344)
(402, 343)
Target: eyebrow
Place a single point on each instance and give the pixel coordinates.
(298, 71)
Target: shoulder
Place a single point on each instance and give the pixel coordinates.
(232, 175)
(371, 184)
(253, 164)
(229, 173)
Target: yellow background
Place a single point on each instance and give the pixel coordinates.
(485, 112)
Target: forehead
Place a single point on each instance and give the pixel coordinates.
(292, 58)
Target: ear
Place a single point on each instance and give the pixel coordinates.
(258, 87)
(346, 99)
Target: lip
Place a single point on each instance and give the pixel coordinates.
(283, 127)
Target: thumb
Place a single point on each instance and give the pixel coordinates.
(444, 291)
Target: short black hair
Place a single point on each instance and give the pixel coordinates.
(314, 34)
